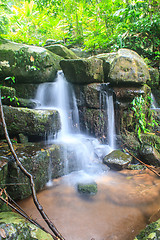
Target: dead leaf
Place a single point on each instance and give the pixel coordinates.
(2, 233)
(32, 59)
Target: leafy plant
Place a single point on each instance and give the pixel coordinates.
(10, 97)
(91, 24)
(10, 79)
(143, 116)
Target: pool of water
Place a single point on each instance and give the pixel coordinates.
(125, 203)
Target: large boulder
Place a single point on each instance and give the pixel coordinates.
(83, 71)
(62, 51)
(124, 66)
(28, 64)
(12, 226)
(30, 122)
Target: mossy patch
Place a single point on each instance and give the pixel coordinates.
(15, 227)
(87, 188)
(151, 232)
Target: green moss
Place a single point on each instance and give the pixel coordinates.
(18, 228)
(136, 167)
(152, 231)
(90, 188)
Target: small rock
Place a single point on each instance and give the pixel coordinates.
(87, 188)
(117, 160)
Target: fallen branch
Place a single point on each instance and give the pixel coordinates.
(39, 207)
(150, 168)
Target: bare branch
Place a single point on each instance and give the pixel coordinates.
(142, 162)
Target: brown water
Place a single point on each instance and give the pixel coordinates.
(124, 204)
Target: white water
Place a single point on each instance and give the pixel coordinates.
(80, 152)
(106, 100)
(154, 104)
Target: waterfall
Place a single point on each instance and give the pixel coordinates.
(107, 103)
(154, 104)
(80, 152)
(60, 96)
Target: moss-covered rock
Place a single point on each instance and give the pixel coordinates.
(30, 122)
(26, 91)
(127, 94)
(62, 51)
(8, 91)
(154, 77)
(87, 188)
(94, 122)
(88, 95)
(130, 141)
(150, 155)
(38, 160)
(151, 139)
(117, 160)
(12, 226)
(83, 71)
(26, 63)
(151, 232)
(124, 67)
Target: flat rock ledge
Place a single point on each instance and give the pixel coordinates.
(30, 122)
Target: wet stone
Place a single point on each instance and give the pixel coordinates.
(87, 188)
(117, 160)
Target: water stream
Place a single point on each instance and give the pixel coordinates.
(125, 202)
(87, 150)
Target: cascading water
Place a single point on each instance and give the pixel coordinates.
(154, 104)
(60, 96)
(80, 152)
(106, 100)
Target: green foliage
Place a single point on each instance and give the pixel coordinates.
(9, 96)
(143, 116)
(10, 79)
(93, 24)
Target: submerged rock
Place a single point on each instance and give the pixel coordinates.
(124, 66)
(62, 51)
(87, 188)
(30, 122)
(117, 160)
(12, 226)
(28, 64)
(83, 71)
